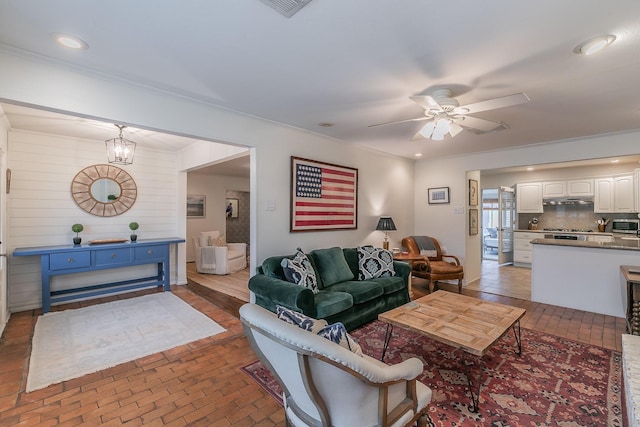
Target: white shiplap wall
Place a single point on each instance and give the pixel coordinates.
(41, 209)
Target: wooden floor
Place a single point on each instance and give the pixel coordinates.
(200, 383)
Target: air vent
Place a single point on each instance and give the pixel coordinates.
(482, 132)
(287, 8)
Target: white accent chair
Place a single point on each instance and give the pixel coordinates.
(211, 259)
(325, 384)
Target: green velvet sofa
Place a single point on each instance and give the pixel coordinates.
(341, 298)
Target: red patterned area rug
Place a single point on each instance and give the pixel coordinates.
(555, 382)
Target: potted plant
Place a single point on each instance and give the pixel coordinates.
(133, 226)
(77, 228)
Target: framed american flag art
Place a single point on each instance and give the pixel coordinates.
(323, 196)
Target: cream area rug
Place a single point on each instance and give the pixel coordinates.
(71, 343)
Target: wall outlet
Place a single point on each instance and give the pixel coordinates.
(458, 210)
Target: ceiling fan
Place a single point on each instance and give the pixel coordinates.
(446, 115)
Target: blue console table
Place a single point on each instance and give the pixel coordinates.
(58, 260)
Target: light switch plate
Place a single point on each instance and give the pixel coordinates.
(458, 210)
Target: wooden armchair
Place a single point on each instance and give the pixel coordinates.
(436, 266)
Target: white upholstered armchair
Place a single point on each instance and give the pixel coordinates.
(214, 256)
(325, 384)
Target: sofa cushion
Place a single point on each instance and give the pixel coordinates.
(330, 303)
(361, 291)
(331, 266)
(337, 333)
(299, 271)
(300, 320)
(390, 284)
(374, 263)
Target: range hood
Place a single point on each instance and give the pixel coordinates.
(553, 201)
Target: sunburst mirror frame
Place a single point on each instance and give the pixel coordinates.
(84, 180)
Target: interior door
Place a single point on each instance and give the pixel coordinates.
(506, 215)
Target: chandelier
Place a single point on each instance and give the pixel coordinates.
(120, 150)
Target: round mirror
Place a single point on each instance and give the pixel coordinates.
(104, 190)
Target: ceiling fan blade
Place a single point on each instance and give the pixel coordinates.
(480, 124)
(492, 104)
(417, 119)
(426, 102)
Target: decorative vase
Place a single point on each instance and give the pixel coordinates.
(77, 241)
(134, 237)
(601, 228)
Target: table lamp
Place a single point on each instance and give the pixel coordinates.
(385, 223)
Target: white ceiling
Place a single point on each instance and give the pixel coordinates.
(356, 63)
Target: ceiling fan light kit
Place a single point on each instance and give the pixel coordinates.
(445, 114)
(594, 45)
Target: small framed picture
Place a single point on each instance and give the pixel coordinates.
(196, 206)
(232, 208)
(473, 222)
(473, 192)
(438, 195)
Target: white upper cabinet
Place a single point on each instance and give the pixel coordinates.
(571, 188)
(529, 197)
(614, 195)
(623, 197)
(603, 197)
(554, 189)
(580, 188)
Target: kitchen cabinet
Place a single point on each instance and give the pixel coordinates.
(570, 188)
(554, 189)
(580, 188)
(603, 195)
(623, 197)
(614, 194)
(636, 173)
(529, 197)
(522, 248)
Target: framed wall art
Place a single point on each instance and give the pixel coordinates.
(473, 222)
(473, 192)
(438, 195)
(324, 196)
(196, 206)
(232, 208)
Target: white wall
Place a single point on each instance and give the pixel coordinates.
(41, 209)
(385, 182)
(214, 188)
(450, 229)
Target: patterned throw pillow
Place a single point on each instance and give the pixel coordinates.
(299, 271)
(300, 320)
(337, 333)
(217, 241)
(374, 263)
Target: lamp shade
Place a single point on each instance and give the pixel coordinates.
(385, 223)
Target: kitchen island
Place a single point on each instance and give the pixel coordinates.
(584, 275)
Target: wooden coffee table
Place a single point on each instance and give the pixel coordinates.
(469, 324)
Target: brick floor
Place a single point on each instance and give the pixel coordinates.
(200, 383)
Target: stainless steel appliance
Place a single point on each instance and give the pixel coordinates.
(566, 234)
(625, 226)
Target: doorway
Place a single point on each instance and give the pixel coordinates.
(490, 223)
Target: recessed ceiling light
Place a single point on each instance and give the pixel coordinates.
(594, 45)
(418, 154)
(70, 42)
(615, 161)
(529, 168)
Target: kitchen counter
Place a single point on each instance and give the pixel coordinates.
(624, 243)
(583, 275)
